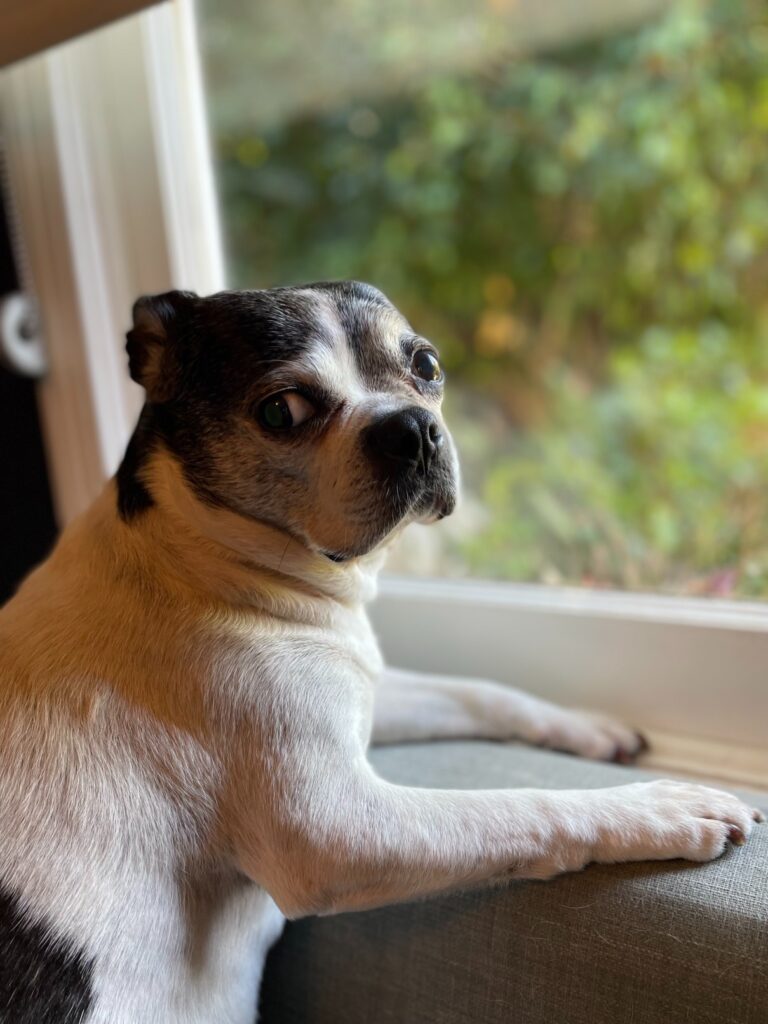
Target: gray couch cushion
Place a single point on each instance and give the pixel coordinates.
(665, 943)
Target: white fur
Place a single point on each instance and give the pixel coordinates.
(185, 709)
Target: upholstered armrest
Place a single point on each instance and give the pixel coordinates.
(645, 943)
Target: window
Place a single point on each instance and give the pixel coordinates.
(610, 404)
(572, 202)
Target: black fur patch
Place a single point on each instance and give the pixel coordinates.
(222, 345)
(133, 496)
(42, 980)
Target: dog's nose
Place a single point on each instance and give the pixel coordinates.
(408, 437)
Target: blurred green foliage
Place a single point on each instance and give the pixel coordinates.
(583, 233)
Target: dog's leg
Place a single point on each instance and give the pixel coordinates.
(339, 838)
(414, 706)
(311, 821)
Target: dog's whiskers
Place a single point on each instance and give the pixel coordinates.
(285, 551)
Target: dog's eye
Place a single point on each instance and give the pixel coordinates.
(426, 366)
(284, 410)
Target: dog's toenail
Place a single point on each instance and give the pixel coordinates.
(642, 743)
(736, 836)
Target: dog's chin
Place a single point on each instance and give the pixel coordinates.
(425, 509)
(367, 546)
(440, 506)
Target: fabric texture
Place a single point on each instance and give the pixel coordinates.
(662, 943)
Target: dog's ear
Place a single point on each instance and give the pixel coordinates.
(153, 342)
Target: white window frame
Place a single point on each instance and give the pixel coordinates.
(115, 199)
(111, 179)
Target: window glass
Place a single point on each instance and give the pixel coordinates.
(571, 201)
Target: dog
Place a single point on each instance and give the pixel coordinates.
(190, 683)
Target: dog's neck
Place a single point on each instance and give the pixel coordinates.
(257, 559)
(225, 557)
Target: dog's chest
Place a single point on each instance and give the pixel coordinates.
(254, 661)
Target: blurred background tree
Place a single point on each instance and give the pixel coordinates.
(582, 230)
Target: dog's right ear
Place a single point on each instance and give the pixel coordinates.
(153, 342)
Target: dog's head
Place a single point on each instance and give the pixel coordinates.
(315, 409)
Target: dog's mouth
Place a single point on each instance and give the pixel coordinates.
(442, 506)
(424, 505)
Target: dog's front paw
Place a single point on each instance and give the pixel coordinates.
(588, 735)
(665, 820)
(659, 820)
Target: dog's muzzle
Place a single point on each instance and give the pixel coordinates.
(405, 442)
(412, 457)
(414, 472)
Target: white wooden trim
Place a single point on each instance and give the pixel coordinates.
(109, 167)
(68, 414)
(91, 226)
(715, 763)
(181, 137)
(686, 667)
(613, 604)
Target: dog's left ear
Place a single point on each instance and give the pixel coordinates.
(154, 341)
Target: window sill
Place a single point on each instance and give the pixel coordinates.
(690, 669)
(717, 764)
